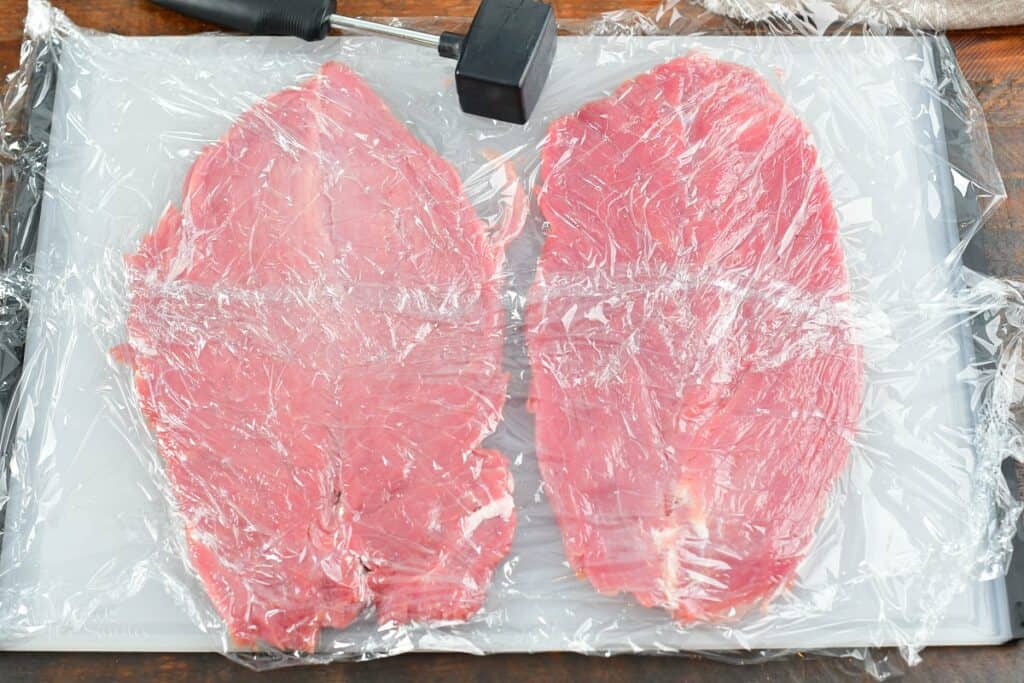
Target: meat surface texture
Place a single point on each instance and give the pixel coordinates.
(695, 383)
(316, 339)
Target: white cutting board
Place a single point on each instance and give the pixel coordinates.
(130, 116)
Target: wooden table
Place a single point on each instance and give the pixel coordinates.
(993, 60)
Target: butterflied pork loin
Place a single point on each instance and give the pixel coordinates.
(695, 385)
(316, 339)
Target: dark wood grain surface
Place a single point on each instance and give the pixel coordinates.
(993, 61)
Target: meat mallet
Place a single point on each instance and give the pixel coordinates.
(503, 60)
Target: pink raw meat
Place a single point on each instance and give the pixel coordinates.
(695, 388)
(316, 338)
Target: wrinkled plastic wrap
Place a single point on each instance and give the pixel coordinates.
(303, 364)
(934, 15)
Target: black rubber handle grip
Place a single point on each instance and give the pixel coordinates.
(308, 19)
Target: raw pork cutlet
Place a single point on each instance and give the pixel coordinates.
(695, 386)
(316, 338)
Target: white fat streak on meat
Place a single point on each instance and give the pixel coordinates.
(667, 540)
(502, 507)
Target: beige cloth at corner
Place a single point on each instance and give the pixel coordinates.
(927, 14)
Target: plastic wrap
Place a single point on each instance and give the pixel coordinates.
(933, 15)
(303, 364)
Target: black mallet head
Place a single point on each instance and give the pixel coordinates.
(504, 58)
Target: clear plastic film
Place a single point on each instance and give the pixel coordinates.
(934, 15)
(304, 364)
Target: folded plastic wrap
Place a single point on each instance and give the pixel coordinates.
(301, 363)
